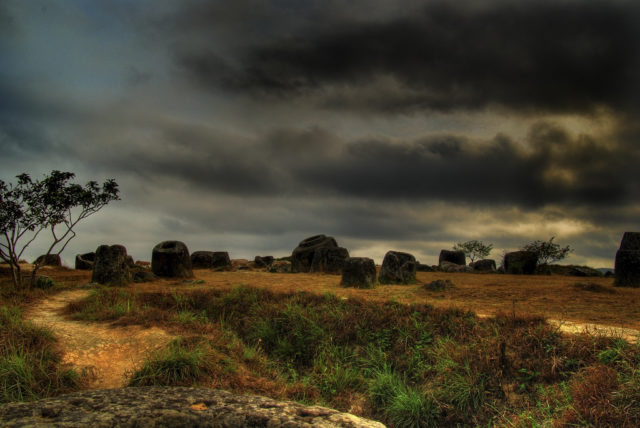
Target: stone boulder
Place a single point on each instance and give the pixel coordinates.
(202, 259)
(520, 263)
(171, 259)
(398, 268)
(484, 265)
(111, 266)
(627, 264)
(359, 272)
(319, 253)
(85, 261)
(451, 256)
(211, 260)
(450, 267)
(173, 407)
(48, 260)
(263, 261)
(221, 261)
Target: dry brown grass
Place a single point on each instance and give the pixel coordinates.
(553, 296)
(548, 296)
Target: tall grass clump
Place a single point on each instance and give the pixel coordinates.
(182, 362)
(30, 364)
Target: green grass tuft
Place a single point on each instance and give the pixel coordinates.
(180, 363)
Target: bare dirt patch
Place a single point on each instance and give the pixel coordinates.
(109, 352)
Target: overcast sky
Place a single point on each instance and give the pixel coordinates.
(248, 125)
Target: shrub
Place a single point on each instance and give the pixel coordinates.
(547, 251)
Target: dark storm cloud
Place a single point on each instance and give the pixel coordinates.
(545, 55)
(553, 167)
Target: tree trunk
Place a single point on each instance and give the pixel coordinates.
(16, 275)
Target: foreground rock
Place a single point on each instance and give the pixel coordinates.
(173, 407)
(48, 260)
(520, 263)
(85, 261)
(359, 272)
(450, 256)
(627, 266)
(319, 253)
(111, 266)
(398, 268)
(171, 259)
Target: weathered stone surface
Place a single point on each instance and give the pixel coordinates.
(627, 268)
(202, 259)
(319, 253)
(627, 265)
(173, 407)
(263, 261)
(359, 272)
(280, 266)
(520, 263)
(48, 260)
(424, 268)
(456, 257)
(630, 241)
(218, 260)
(329, 260)
(111, 266)
(171, 259)
(484, 265)
(398, 268)
(450, 267)
(221, 261)
(85, 261)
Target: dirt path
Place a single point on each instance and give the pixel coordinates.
(571, 327)
(628, 334)
(110, 352)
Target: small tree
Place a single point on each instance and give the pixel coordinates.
(548, 251)
(31, 207)
(474, 249)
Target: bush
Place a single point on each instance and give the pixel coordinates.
(547, 251)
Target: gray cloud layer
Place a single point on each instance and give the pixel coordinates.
(408, 124)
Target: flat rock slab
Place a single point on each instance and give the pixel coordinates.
(172, 407)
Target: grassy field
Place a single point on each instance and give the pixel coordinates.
(400, 354)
